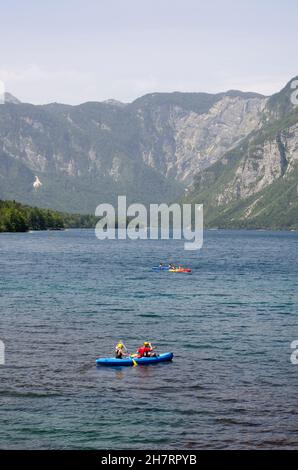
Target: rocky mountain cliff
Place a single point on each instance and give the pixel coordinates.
(235, 152)
(74, 157)
(255, 184)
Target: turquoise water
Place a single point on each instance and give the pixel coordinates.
(66, 298)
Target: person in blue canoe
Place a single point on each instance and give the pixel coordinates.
(146, 350)
(120, 351)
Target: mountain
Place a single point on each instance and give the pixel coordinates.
(235, 152)
(9, 98)
(71, 158)
(254, 185)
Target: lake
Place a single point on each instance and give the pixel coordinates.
(67, 298)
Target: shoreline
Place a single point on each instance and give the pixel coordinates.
(207, 229)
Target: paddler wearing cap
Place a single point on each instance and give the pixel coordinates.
(120, 350)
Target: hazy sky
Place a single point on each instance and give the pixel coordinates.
(73, 51)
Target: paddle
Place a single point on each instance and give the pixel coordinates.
(125, 348)
(133, 361)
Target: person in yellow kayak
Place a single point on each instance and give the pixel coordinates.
(147, 350)
(120, 350)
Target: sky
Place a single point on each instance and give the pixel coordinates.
(72, 51)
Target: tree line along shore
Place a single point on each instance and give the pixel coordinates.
(17, 217)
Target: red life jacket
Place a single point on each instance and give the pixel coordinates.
(143, 351)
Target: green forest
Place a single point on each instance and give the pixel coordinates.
(16, 217)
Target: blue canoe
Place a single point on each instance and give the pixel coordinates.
(160, 268)
(142, 361)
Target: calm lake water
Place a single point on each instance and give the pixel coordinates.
(67, 298)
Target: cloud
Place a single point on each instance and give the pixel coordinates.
(29, 73)
(36, 84)
(34, 72)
